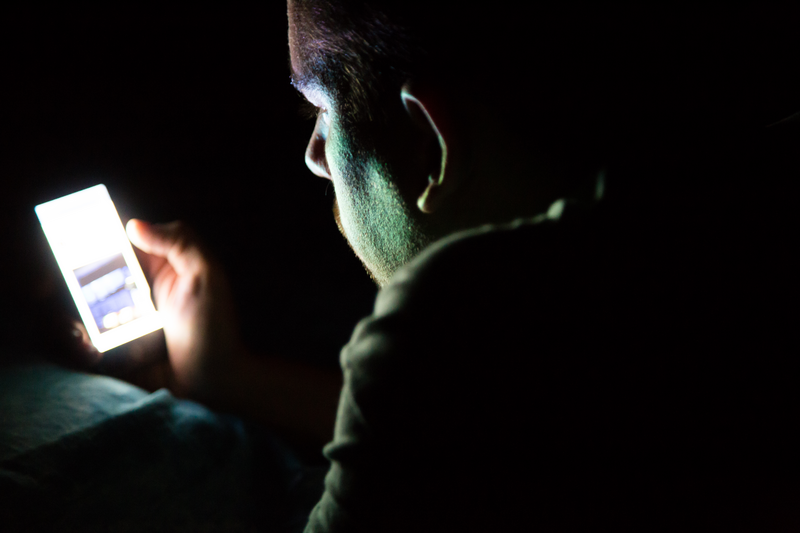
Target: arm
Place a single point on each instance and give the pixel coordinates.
(207, 360)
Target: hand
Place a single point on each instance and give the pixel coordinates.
(191, 292)
(206, 354)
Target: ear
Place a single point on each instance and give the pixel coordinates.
(427, 109)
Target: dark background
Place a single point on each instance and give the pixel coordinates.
(183, 114)
(188, 114)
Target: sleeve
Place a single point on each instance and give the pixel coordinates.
(382, 454)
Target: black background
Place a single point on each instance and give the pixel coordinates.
(187, 113)
(183, 113)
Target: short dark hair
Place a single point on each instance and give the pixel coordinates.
(363, 47)
(355, 50)
(614, 83)
(595, 69)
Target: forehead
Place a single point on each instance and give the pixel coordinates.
(301, 50)
(305, 51)
(296, 53)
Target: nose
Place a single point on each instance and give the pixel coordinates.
(315, 152)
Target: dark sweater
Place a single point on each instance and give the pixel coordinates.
(617, 369)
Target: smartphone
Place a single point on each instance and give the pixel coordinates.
(100, 267)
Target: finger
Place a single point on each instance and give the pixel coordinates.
(80, 351)
(82, 339)
(151, 264)
(173, 241)
(163, 285)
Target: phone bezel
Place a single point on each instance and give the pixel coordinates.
(53, 215)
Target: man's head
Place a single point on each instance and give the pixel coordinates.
(434, 120)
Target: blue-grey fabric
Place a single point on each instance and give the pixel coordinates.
(81, 452)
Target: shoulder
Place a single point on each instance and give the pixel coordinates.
(469, 266)
(474, 310)
(467, 351)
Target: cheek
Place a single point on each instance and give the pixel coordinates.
(337, 160)
(332, 156)
(356, 170)
(352, 182)
(342, 161)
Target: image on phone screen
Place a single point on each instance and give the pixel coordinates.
(99, 266)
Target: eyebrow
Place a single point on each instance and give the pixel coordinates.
(300, 81)
(309, 88)
(307, 84)
(297, 81)
(300, 84)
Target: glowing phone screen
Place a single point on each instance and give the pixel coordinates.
(99, 266)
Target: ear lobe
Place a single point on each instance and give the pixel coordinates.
(427, 112)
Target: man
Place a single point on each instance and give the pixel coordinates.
(544, 285)
(525, 364)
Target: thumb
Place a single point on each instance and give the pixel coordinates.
(173, 241)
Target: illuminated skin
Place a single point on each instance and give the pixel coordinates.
(380, 222)
(442, 165)
(369, 208)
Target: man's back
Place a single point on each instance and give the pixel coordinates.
(599, 369)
